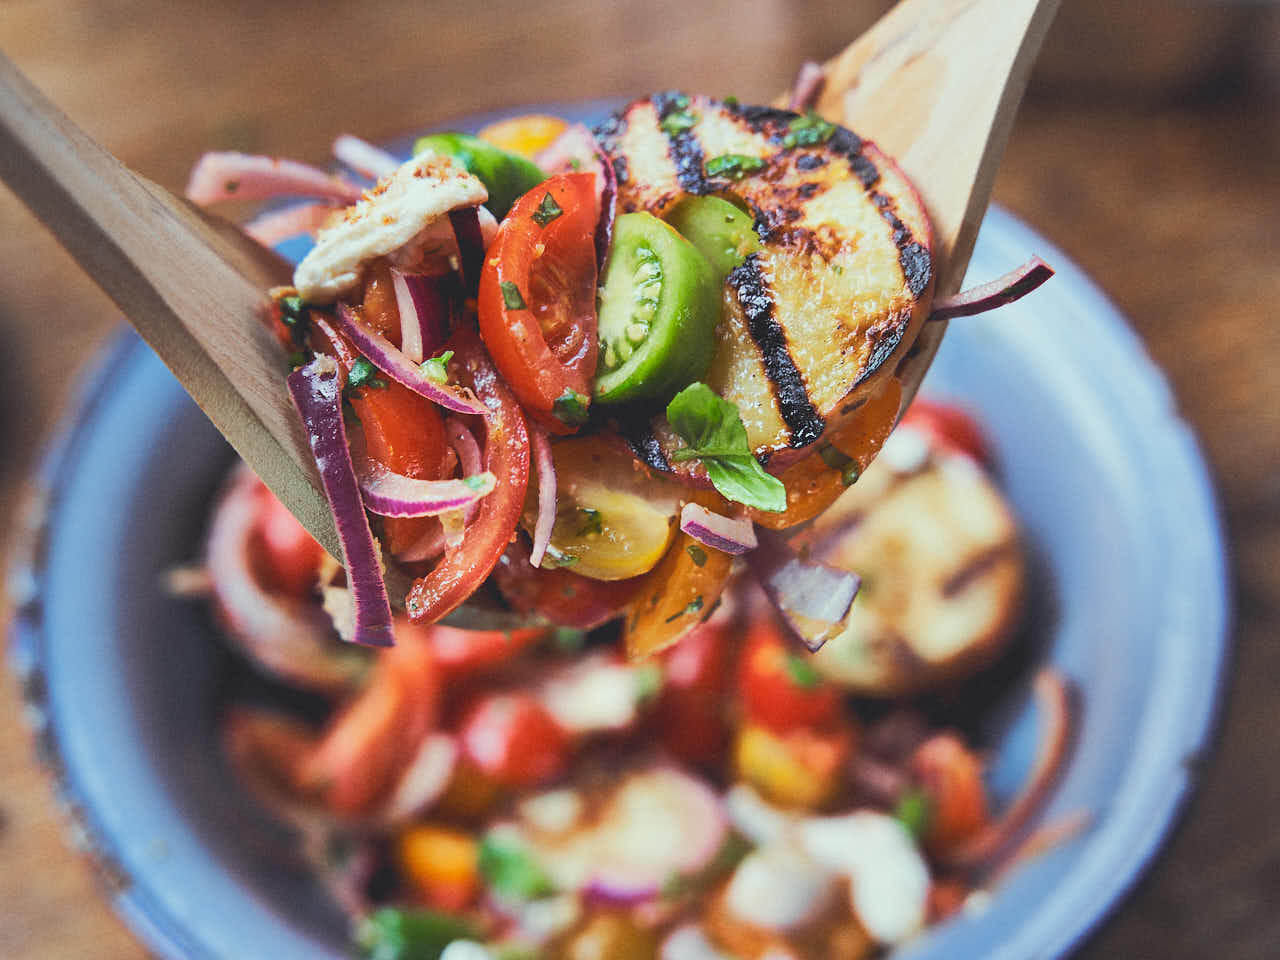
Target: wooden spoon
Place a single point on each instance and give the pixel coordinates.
(935, 83)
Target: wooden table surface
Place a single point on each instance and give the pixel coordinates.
(1148, 150)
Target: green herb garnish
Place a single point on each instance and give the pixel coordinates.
(693, 607)
(364, 374)
(677, 122)
(914, 811)
(570, 408)
(547, 210)
(730, 101)
(648, 680)
(568, 639)
(698, 554)
(808, 131)
(511, 296)
(437, 368)
(510, 870)
(712, 430)
(801, 672)
(474, 483)
(591, 522)
(733, 165)
(391, 933)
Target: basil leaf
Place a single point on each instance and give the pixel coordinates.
(510, 870)
(713, 431)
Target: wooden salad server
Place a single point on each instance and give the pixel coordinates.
(935, 83)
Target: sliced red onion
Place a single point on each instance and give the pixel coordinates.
(424, 306)
(546, 466)
(466, 228)
(276, 226)
(813, 598)
(292, 639)
(390, 494)
(732, 535)
(220, 176)
(465, 446)
(1014, 285)
(808, 86)
(659, 824)
(577, 149)
(317, 393)
(363, 157)
(424, 780)
(383, 355)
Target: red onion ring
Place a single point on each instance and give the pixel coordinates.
(390, 494)
(221, 176)
(546, 465)
(731, 535)
(316, 391)
(363, 157)
(383, 355)
(1014, 285)
(423, 303)
(276, 226)
(1054, 699)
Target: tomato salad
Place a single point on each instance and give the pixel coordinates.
(575, 374)
(532, 793)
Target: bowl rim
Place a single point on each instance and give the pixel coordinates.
(1163, 800)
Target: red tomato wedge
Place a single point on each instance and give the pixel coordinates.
(511, 738)
(506, 456)
(537, 299)
(563, 597)
(779, 687)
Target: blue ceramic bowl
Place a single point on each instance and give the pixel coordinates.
(1130, 602)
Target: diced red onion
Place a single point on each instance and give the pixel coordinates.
(466, 228)
(316, 391)
(1014, 285)
(220, 176)
(423, 304)
(800, 588)
(808, 86)
(390, 494)
(546, 466)
(289, 638)
(732, 535)
(276, 226)
(383, 355)
(363, 157)
(577, 149)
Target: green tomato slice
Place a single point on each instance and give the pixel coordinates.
(507, 176)
(659, 306)
(722, 232)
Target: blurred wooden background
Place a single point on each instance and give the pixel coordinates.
(1148, 148)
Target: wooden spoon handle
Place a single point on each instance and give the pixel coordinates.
(192, 285)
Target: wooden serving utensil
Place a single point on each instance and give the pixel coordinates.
(935, 83)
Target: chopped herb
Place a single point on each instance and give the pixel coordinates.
(591, 522)
(833, 457)
(437, 368)
(808, 131)
(511, 296)
(801, 672)
(364, 374)
(677, 122)
(575, 163)
(391, 933)
(547, 210)
(510, 870)
(556, 558)
(474, 483)
(568, 639)
(694, 606)
(712, 430)
(914, 811)
(849, 476)
(698, 554)
(297, 359)
(730, 101)
(733, 165)
(232, 186)
(648, 680)
(570, 408)
(837, 269)
(292, 309)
